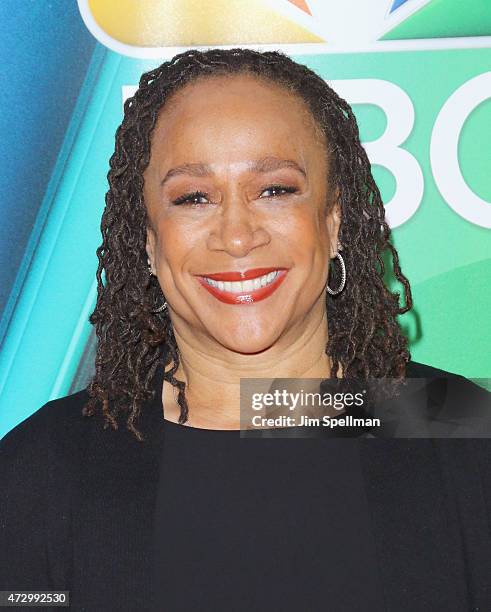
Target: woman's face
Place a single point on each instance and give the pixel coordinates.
(237, 185)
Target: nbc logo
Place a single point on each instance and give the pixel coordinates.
(375, 31)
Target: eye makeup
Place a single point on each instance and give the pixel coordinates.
(192, 198)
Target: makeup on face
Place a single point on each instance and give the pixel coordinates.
(235, 191)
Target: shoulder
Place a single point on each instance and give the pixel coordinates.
(36, 463)
(59, 439)
(415, 369)
(52, 436)
(447, 404)
(62, 414)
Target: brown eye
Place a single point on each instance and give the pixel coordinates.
(195, 199)
(278, 190)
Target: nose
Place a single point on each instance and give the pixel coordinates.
(238, 229)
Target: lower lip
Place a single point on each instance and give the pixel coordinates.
(246, 297)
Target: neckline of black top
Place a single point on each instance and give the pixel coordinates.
(419, 398)
(426, 410)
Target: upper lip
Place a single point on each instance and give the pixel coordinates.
(240, 275)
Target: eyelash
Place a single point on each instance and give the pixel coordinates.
(188, 196)
(185, 199)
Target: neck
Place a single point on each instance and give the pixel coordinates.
(212, 372)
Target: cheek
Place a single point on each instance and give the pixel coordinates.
(176, 240)
(304, 233)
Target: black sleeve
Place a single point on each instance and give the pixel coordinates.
(24, 495)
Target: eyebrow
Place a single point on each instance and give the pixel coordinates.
(265, 164)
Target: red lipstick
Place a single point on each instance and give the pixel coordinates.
(243, 297)
(239, 276)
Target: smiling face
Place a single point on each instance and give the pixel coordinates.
(236, 188)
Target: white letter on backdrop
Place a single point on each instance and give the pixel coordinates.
(444, 150)
(386, 151)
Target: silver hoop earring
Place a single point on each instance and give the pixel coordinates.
(164, 305)
(343, 276)
(160, 308)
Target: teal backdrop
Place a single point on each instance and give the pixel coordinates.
(422, 96)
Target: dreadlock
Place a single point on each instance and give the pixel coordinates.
(363, 334)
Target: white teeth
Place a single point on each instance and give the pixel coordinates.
(243, 286)
(248, 285)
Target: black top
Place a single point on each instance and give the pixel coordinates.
(263, 524)
(78, 510)
(277, 524)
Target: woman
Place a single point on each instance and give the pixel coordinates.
(230, 167)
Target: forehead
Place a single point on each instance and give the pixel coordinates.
(235, 109)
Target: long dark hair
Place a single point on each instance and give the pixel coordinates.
(364, 335)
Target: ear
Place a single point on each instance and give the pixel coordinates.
(333, 223)
(150, 248)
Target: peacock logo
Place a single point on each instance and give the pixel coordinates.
(150, 28)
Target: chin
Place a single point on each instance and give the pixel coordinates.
(248, 348)
(247, 343)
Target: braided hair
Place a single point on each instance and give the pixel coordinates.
(363, 334)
